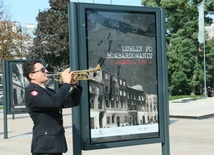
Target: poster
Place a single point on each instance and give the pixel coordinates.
(17, 89)
(123, 96)
(15, 84)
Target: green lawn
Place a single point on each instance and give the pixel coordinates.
(185, 96)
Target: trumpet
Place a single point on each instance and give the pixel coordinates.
(81, 74)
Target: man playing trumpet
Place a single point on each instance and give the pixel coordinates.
(44, 106)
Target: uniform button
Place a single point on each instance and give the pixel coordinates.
(46, 133)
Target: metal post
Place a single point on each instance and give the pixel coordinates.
(73, 36)
(166, 143)
(5, 90)
(205, 83)
(5, 121)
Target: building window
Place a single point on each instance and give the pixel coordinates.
(99, 105)
(117, 104)
(100, 102)
(122, 104)
(130, 120)
(126, 119)
(112, 104)
(107, 104)
(107, 89)
(142, 98)
(112, 119)
(91, 103)
(106, 76)
(121, 93)
(121, 82)
(108, 120)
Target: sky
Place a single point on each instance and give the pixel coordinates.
(26, 11)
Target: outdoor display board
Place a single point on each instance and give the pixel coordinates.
(124, 102)
(14, 86)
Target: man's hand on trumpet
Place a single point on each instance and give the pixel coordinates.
(69, 77)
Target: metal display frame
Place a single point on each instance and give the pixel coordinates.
(79, 59)
(14, 84)
(13, 77)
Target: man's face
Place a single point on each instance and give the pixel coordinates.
(39, 75)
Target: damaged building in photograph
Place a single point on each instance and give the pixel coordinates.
(114, 104)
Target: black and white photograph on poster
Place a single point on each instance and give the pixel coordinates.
(18, 84)
(124, 94)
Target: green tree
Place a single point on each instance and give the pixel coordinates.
(185, 59)
(210, 62)
(52, 36)
(10, 37)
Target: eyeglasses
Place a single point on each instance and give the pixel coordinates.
(41, 70)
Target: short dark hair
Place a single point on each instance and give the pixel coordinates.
(28, 67)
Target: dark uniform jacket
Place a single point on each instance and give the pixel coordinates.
(45, 108)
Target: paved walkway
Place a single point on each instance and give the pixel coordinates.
(187, 136)
(192, 108)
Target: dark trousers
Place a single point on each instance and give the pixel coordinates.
(46, 153)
